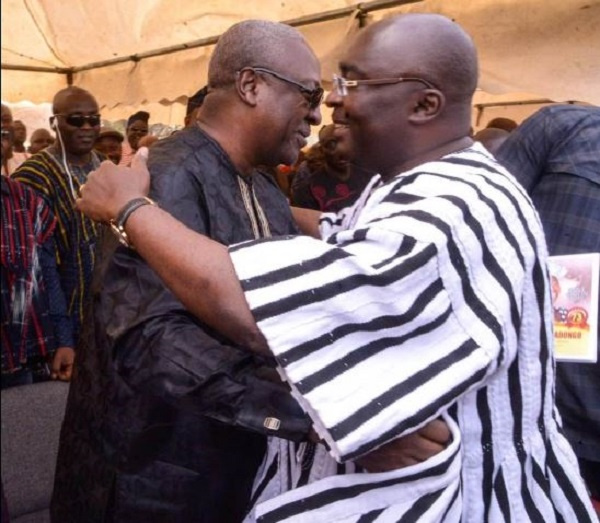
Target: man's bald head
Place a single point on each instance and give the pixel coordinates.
(251, 43)
(69, 96)
(428, 46)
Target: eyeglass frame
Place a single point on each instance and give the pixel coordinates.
(86, 118)
(313, 96)
(341, 84)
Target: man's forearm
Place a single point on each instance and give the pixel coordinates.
(307, 220)
(198, 271)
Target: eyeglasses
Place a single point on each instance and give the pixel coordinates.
(313, 96)
(79, 120)
(341, 84)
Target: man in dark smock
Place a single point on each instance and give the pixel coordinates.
(174, 426)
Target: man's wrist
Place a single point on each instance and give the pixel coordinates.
(118, 224)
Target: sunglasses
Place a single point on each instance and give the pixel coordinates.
(79, 120)
(313, 96)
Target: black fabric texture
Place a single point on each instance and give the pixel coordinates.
(165, 417)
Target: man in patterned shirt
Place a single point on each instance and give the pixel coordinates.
(36, 333)
(428, 297)
(56, 173)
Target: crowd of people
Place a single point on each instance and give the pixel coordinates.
(259, 331)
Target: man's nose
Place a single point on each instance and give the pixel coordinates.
(314, 116)
(333, 99)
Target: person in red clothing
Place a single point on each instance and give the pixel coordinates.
(325, 181)
(36, 334)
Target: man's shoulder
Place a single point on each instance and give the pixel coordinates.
(180, 150)
(42, 164)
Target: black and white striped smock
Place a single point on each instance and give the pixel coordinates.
(429, 297)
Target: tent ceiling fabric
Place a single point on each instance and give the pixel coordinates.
(546, 47)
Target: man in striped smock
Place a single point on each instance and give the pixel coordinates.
(429, 297)
(56, 173)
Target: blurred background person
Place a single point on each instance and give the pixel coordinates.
(325, 181)
(40, 139)
(491, 138)
(194, 103)
(137, 127)
(110, 143)
(8, 163)
(20, 153)
(506, 124)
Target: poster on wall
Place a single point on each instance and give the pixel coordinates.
(575, 297)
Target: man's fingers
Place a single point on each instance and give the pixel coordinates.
(140, 159)
(436, 431)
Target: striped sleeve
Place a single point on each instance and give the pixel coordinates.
(382, 327)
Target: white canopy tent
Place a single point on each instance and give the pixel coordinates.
(152, 54)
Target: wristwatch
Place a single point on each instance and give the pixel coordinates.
(118, 224)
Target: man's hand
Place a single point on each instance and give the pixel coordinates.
(110, 187)
(408, 450)
(62, 364)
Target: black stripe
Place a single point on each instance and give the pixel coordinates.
(474, 303)
(485, 419)
(566, 485)
(498, 215)
(532, 511)
(289, 272)
(352, 359)
(370, 516)
(374, 325)
(338, 368)
(450, 506)
(338, 494)
(491, 263)
(399, 197)
(538, 274)
(427, 412)
(406, 247)
(270, 474)
(240, 246)
(486, 166)
(516, 399)
(543, 482)
(540, 284)
(347, 284)
(358, 235)
(501, 496)
(420, 507)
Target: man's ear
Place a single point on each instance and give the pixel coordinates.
(247, 86)
(427, 105)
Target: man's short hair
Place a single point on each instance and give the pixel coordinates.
(502, 123)
(142, 116)
(250, 43)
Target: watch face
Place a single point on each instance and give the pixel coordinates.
(120, 234)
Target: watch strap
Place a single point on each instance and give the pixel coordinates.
(118, 224)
